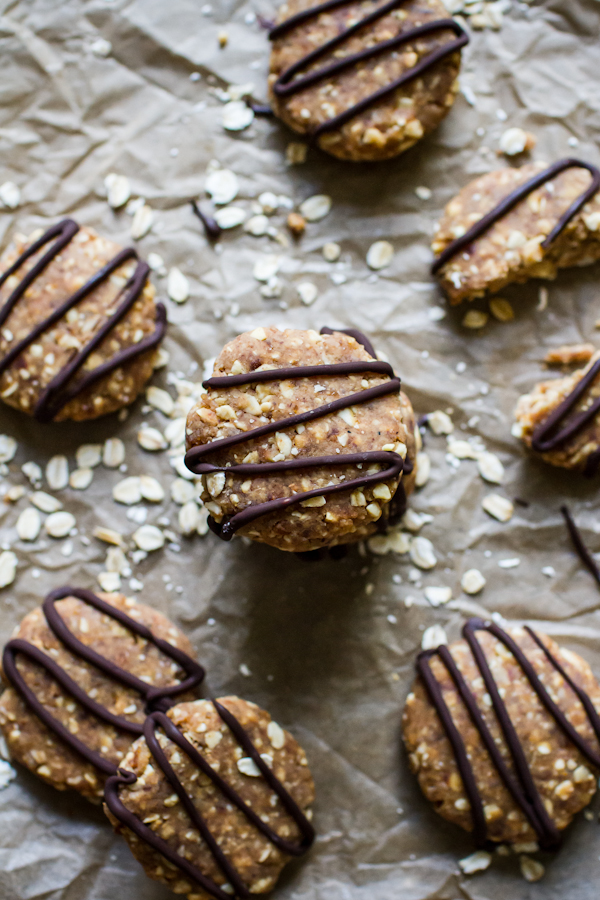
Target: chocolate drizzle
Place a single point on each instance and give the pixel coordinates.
(549, 435)
(287, 84)
(58, 393)
(154, 697)
(580, 548)
(520, 784)
(392, 462)
(212, 229)
(160, 721)
(510, 201)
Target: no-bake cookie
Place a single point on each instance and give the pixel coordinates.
(515, 224)
(560, 418)
(304, 440)
(81, 671)
(503, 732)
(364, 80)
(214, 799)
(79, 326)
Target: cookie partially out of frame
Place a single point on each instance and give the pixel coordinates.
(515, 224)
(396, 75)
(304, 440)
(79, 327)
(40, 654)
(531, 764)
(560, 418)
(214, 800)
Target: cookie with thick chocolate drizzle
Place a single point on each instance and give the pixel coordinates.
(82, 672)
(214, 799)
(560, 419)
(364, 79)
(503, 732)
(79, 327)
(514, 224)
(304, 440)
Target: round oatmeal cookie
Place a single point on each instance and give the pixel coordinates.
(308, 460)
(560, 418)
(79, 328)
(58, 711)
(502, 731)
(364, 92)
(511, 225)
(214, 800)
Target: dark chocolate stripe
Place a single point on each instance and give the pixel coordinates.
(194, 458)
(522, 788)
(580, 548)
(514, 198)
(154, 697)
(57, 394)
(287, 85)
(549, 435)
(131, 821)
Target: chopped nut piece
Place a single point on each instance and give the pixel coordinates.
(296, 223)
(440, 422)
(570, 355)
(433, 637)
(476, 862)
(475, 318)
(8, 568)
(472, 581)
(422, 553)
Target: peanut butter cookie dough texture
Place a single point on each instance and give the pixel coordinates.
(79, 326)
(503, 733)
(364, 80)
(515, 224)
(304, 440)
(213, 796)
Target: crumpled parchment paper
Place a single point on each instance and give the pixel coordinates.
(328, 648)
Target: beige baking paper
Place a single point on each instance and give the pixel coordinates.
(328, 648)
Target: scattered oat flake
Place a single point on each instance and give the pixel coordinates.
(230, 217)
(472, 581)
(266, 268)
(8, 448)
(331, 251)
(151, 439)
(57, 473)
(237, 116)
(188, 517)
(490, 467)
(143, 220)
(148, 538)
(88, 456)
(45, 502)
(437, 595)
(128, 491)
(29, 524)
(178, 287)
(499, 507)
(316, 207)
(7, 774)
(433, 637)
(108, 535)
(307, 291)
(501, 309)
(151, 489)
(462, 450)
(379, 255)
(475, 318)
(160, 399)
(80, 479)
(423, 469)
(59, 524)
(514, 141)
(422, 553)
(8, 568)
(10, 195)
(118, 190)
(531, 869)
(113, 453)
(440, 422)
(109, 581)
(476, 862)
(295, 153)
(222, 185)
(511, 563)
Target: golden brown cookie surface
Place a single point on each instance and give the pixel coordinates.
(385, 423)
(38, 748)
(555, 445)
(510, 250)
(389, 125)
(562, 775)
(152, 800)
(24, 379)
